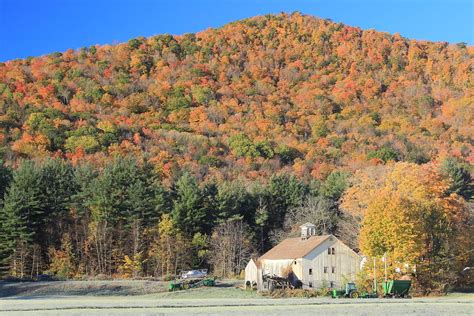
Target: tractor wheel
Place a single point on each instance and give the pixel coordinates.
(354, 294)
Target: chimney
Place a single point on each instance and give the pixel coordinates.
(307, 230)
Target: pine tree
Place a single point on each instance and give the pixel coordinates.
(187, 211)
(22, 216)
(57, 188)
(284, 192)
(462, 181)
(234, 202)
(5, 177)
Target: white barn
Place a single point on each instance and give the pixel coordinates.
(315, 261)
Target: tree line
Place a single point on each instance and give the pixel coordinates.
(120, 219)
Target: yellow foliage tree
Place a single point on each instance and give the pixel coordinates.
(169, 247)
(132, 267)
(408, 217)
(62, 260)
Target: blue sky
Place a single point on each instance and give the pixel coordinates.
(37, 27)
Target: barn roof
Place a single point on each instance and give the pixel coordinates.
(294, 248)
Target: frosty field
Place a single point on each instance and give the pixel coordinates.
(151, 298)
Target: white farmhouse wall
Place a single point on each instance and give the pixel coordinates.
(278, 267)
(345, 262)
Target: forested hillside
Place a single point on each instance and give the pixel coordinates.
(291, 93)
(113, 155)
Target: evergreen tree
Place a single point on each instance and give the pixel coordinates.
(335, 185)
(233, 202)
(22, 215)
(187, 211)
(57, 188)
(462, 181)
(5, 177)
(284, 192)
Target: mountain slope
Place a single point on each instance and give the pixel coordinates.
(275, 93)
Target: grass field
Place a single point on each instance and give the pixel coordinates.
(114, 298)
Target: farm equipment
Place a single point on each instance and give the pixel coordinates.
(190, 284)
(396, 288)
(272, 282)
(351, 291)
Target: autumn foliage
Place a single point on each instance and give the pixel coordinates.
(409, 218)
(166, 148)
(310, 96)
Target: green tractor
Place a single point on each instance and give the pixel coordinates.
(349, 291)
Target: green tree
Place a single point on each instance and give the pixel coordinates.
(187, 211)
(283, 192)
(121, 202)
(202, 95)
(462, 182)
(335, 185)
(385, 154)
(233, 201)
(57, 187)
(22, 217)
(87, 142)
(242, 146)
(177, 99)
(5, 178)
(5, 247)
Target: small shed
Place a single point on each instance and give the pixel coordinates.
(252, 276)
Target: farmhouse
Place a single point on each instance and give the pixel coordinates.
(308, 261)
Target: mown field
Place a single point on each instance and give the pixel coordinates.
(151, 298)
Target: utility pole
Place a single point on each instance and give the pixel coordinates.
(375, 279)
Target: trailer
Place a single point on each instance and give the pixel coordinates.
(396, 288)
(190, 284)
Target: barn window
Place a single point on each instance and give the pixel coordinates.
(331, 284)
(310, 272)
(325, 269)
(333, 251)
(333, 269)
(310, 284)
(329, 251)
